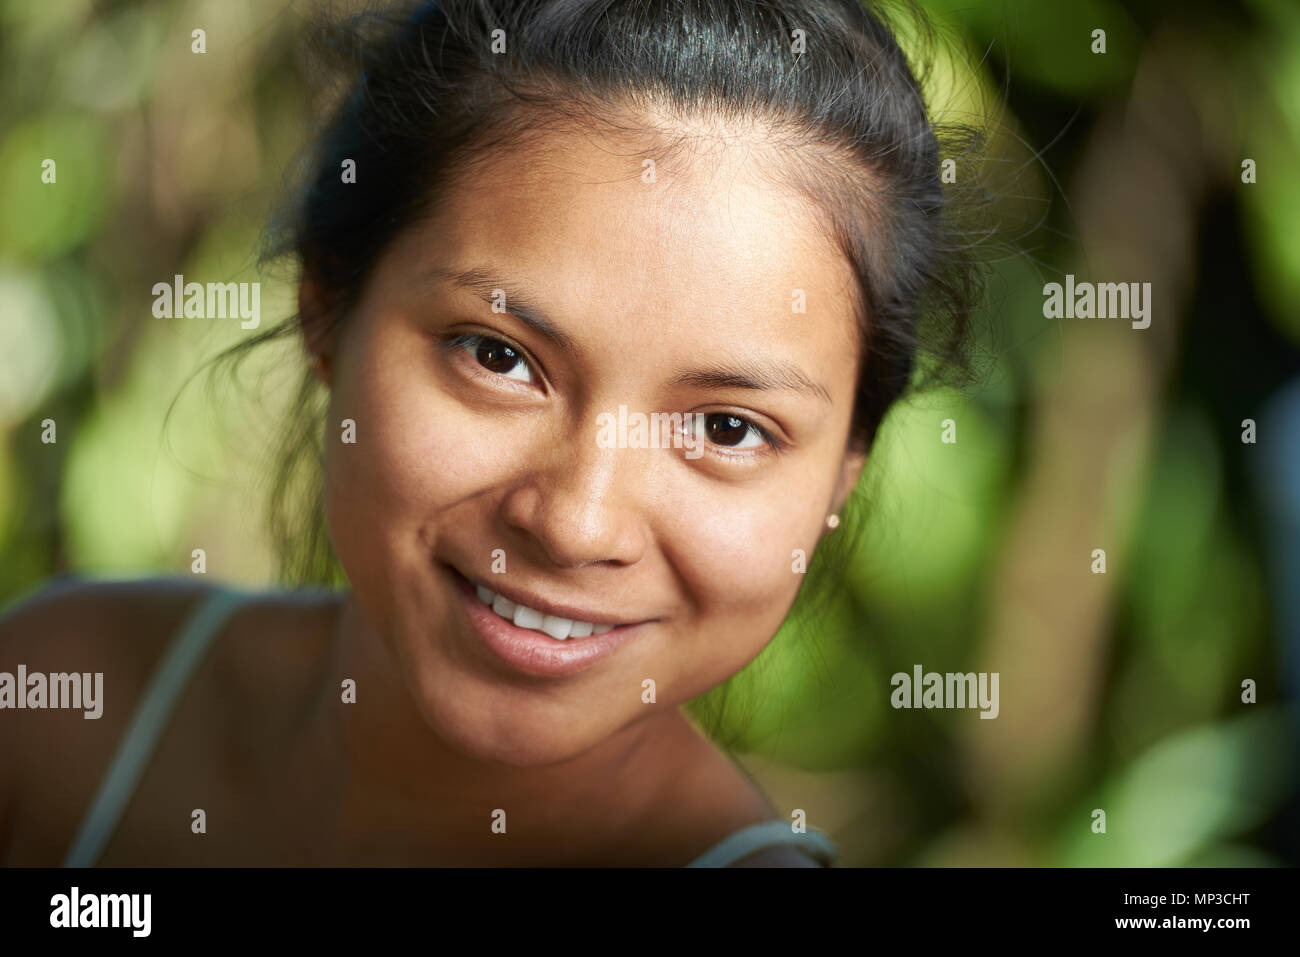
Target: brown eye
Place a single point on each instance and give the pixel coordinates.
(725, 429)
(497, 357)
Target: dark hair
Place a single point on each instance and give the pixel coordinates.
(430, 98)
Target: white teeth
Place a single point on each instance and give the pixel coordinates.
(557, 627)
(503, 606)
(525, 617)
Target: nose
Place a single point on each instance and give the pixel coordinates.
(580, 507)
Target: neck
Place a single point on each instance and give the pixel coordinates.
(390, 765)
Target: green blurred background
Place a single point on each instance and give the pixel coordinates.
(1119, 691)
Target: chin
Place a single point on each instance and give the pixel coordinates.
(511, 728)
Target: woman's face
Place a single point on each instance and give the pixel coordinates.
(493, 450)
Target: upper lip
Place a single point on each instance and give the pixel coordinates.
(558, 609)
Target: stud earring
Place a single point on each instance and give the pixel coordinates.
(832, 521)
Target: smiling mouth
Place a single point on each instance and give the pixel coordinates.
(522, 616)
(559, 627)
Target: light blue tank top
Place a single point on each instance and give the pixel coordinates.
(164, 690)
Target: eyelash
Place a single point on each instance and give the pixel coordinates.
(459, 341)
(774, 446)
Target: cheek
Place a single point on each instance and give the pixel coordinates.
(738, 555)
(418, 450)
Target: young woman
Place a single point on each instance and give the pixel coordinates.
(528, 224)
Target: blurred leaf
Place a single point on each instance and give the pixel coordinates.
(933, 505)
(30, 345)
(1270, 133)
(41, 220)
(1194, 788)
(112, 61)
(1051, 43)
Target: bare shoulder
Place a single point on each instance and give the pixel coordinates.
(68, 603)
(261, 660)
(76, 627)
(725, 799)
(72, 624)
(749, 805)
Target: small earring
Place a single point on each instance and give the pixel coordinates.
(832, 521)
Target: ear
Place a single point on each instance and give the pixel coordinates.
(855, 461)
(316, 322)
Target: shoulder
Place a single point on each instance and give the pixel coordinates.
(116, 630)
(731, 800)
(75, 624)
(260, 655)
(69, 603)
(123, 627)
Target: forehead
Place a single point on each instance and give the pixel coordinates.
(706, 238)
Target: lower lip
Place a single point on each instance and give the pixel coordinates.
(533, 652)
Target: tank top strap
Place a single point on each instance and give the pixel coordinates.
(766, 834)
(150, 718)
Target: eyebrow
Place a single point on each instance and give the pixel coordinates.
(785, 378)
(780, 377)
(480, 282)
